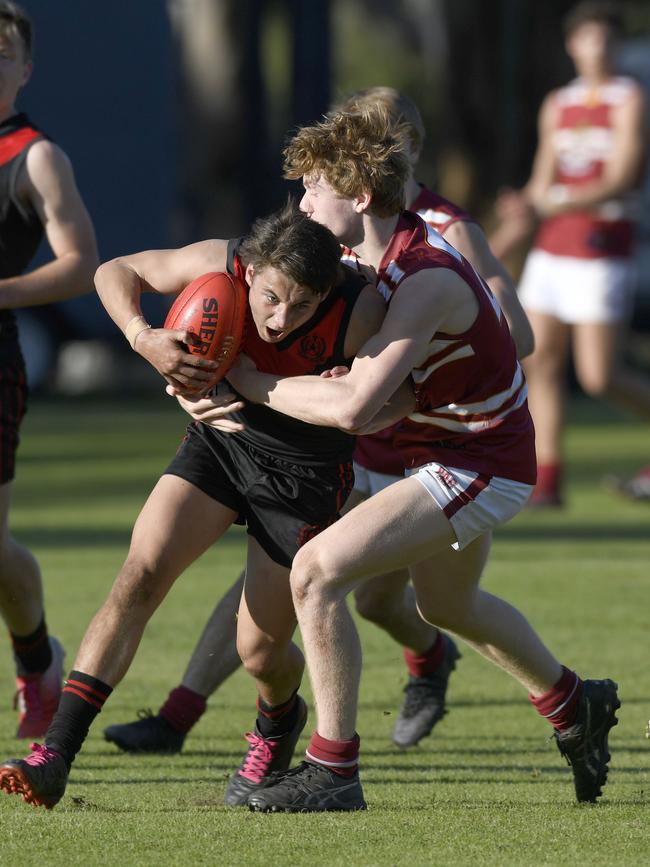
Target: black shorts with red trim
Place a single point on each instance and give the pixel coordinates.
(13, 404)
(283, 504)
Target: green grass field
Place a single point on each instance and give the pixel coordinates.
(487, 788)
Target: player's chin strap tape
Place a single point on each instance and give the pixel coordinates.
(135, 327)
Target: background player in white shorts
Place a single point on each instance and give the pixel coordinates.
(577, 281)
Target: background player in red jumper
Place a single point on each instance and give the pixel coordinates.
(38, 195)
(577, 282)
(468, 444)
(389, 601)
(285, 479)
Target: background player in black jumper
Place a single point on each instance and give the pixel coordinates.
(37, 195)
(277, 473)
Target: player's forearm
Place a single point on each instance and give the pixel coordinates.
(311, 399)
(401, 404)
(66, 277)
(520, 327)
(562, 198)
(507, 238)
(119, 288)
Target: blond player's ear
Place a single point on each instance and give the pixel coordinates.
(362, 202)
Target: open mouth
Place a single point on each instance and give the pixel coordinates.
(273, 333)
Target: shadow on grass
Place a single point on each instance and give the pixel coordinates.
(50, 537)
(430, 752)
(191, 754)
(514, 775)
(602, 533)
(147, 781)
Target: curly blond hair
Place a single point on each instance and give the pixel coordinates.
(401, 108)
(355, 152)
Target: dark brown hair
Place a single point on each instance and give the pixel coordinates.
(598, 11)
(300, 248)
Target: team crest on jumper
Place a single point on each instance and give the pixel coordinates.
(312, 347)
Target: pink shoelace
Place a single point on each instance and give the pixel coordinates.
(258, 759)
(41, 755)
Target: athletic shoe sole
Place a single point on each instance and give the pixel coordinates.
(14, 781)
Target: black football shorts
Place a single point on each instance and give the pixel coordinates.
(13, 403)
(283, 504)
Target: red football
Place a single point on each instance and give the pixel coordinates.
(214, 307)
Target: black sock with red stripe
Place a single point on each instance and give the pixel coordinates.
(33, 652)
(82, 699)
(273, 721)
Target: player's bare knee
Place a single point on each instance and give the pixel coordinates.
(306, 575)
(12, 552)
(136, 586)
(597, 384)
(261, 659)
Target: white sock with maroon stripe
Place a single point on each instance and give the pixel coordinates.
(340, 757)
(559, 705)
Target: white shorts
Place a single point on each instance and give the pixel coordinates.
(473, 503)
(577, 290)
(368, 482)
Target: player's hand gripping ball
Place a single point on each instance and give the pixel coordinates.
(214, 308)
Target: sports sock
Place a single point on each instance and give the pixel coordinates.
(549, 477)
(340, 757)
(33, 653)
(183, 708)
(276, 720)
(423, 664)
(560, 704)
(82, 699)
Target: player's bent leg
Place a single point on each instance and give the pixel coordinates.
(214, 659)
(600, 370)
(21, 589)
(454, 600)
(215, 656)
(602, 373)
(176, 525)
(324, 571)
(38, 656)
(265, 629)
(582, 713)
(389, 602)
(545, 373)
